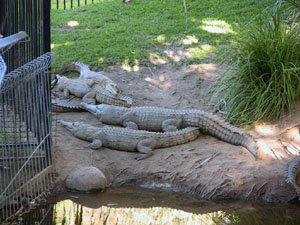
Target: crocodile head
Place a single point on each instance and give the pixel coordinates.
(92, 109)
(106, 113)
(70, 126)
(61, 82)
(112, 88)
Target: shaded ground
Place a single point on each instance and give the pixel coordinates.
(233, 173)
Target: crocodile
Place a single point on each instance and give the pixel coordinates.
(78, 87)
(160, 119)
(86, 73)
(293, 174)
(130, 140)
(69, 93)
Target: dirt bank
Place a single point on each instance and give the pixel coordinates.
(233, 173)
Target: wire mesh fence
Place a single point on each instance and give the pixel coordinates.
(26, 168)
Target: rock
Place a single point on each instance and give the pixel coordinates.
(86, 179)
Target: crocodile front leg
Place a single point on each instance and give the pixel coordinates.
(96, 144)
(146, 147)
(127, 119)
(89, 98)
(130, 125)
(171, 125)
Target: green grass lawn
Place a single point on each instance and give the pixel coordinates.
(110, 32)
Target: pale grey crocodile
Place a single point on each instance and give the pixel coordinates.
(69, 93)
(160, 119)
(128, 139)
(293, 174)
(77, 87)
(86, 73)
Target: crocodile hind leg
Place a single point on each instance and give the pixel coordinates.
(145, 146)
(171, 125)
(96, 144)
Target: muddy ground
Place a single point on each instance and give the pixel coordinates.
(232, 174)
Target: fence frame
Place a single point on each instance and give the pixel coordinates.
(26, 159)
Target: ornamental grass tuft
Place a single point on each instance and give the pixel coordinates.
(263, 77)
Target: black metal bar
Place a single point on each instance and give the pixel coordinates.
(2, 16)
(11, 31)
(46, 26)
(31, 16)
(72, 3)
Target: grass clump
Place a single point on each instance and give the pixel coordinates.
(263, 79)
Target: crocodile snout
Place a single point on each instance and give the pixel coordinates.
(89, 107)
(68, 125)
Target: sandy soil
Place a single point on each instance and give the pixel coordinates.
(232, 174)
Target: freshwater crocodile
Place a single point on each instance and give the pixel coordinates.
(293, 174)
(77, 87)
(160, 119)
(130, 140)
(86, 73)
(69, 93)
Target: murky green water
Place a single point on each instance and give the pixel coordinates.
(140, 206)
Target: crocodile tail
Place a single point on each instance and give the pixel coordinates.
(62, 105)
(179, 137)
(83, 68)
(68, 68)
(250, 144)
(105, 97)
(292, 174)
(293, 166)
(215, 126)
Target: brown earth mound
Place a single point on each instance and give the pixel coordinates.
(207, 167)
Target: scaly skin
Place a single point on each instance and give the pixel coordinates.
(105, 97)
(76, 87)
(293, 174)
(86, 73)
(160, 119)
(63, 105)
(86, 91)
(130, 140)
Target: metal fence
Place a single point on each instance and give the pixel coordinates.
(26, 168)
(71, 3)
(31, 16)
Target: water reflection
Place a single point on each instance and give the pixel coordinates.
(145, 206)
